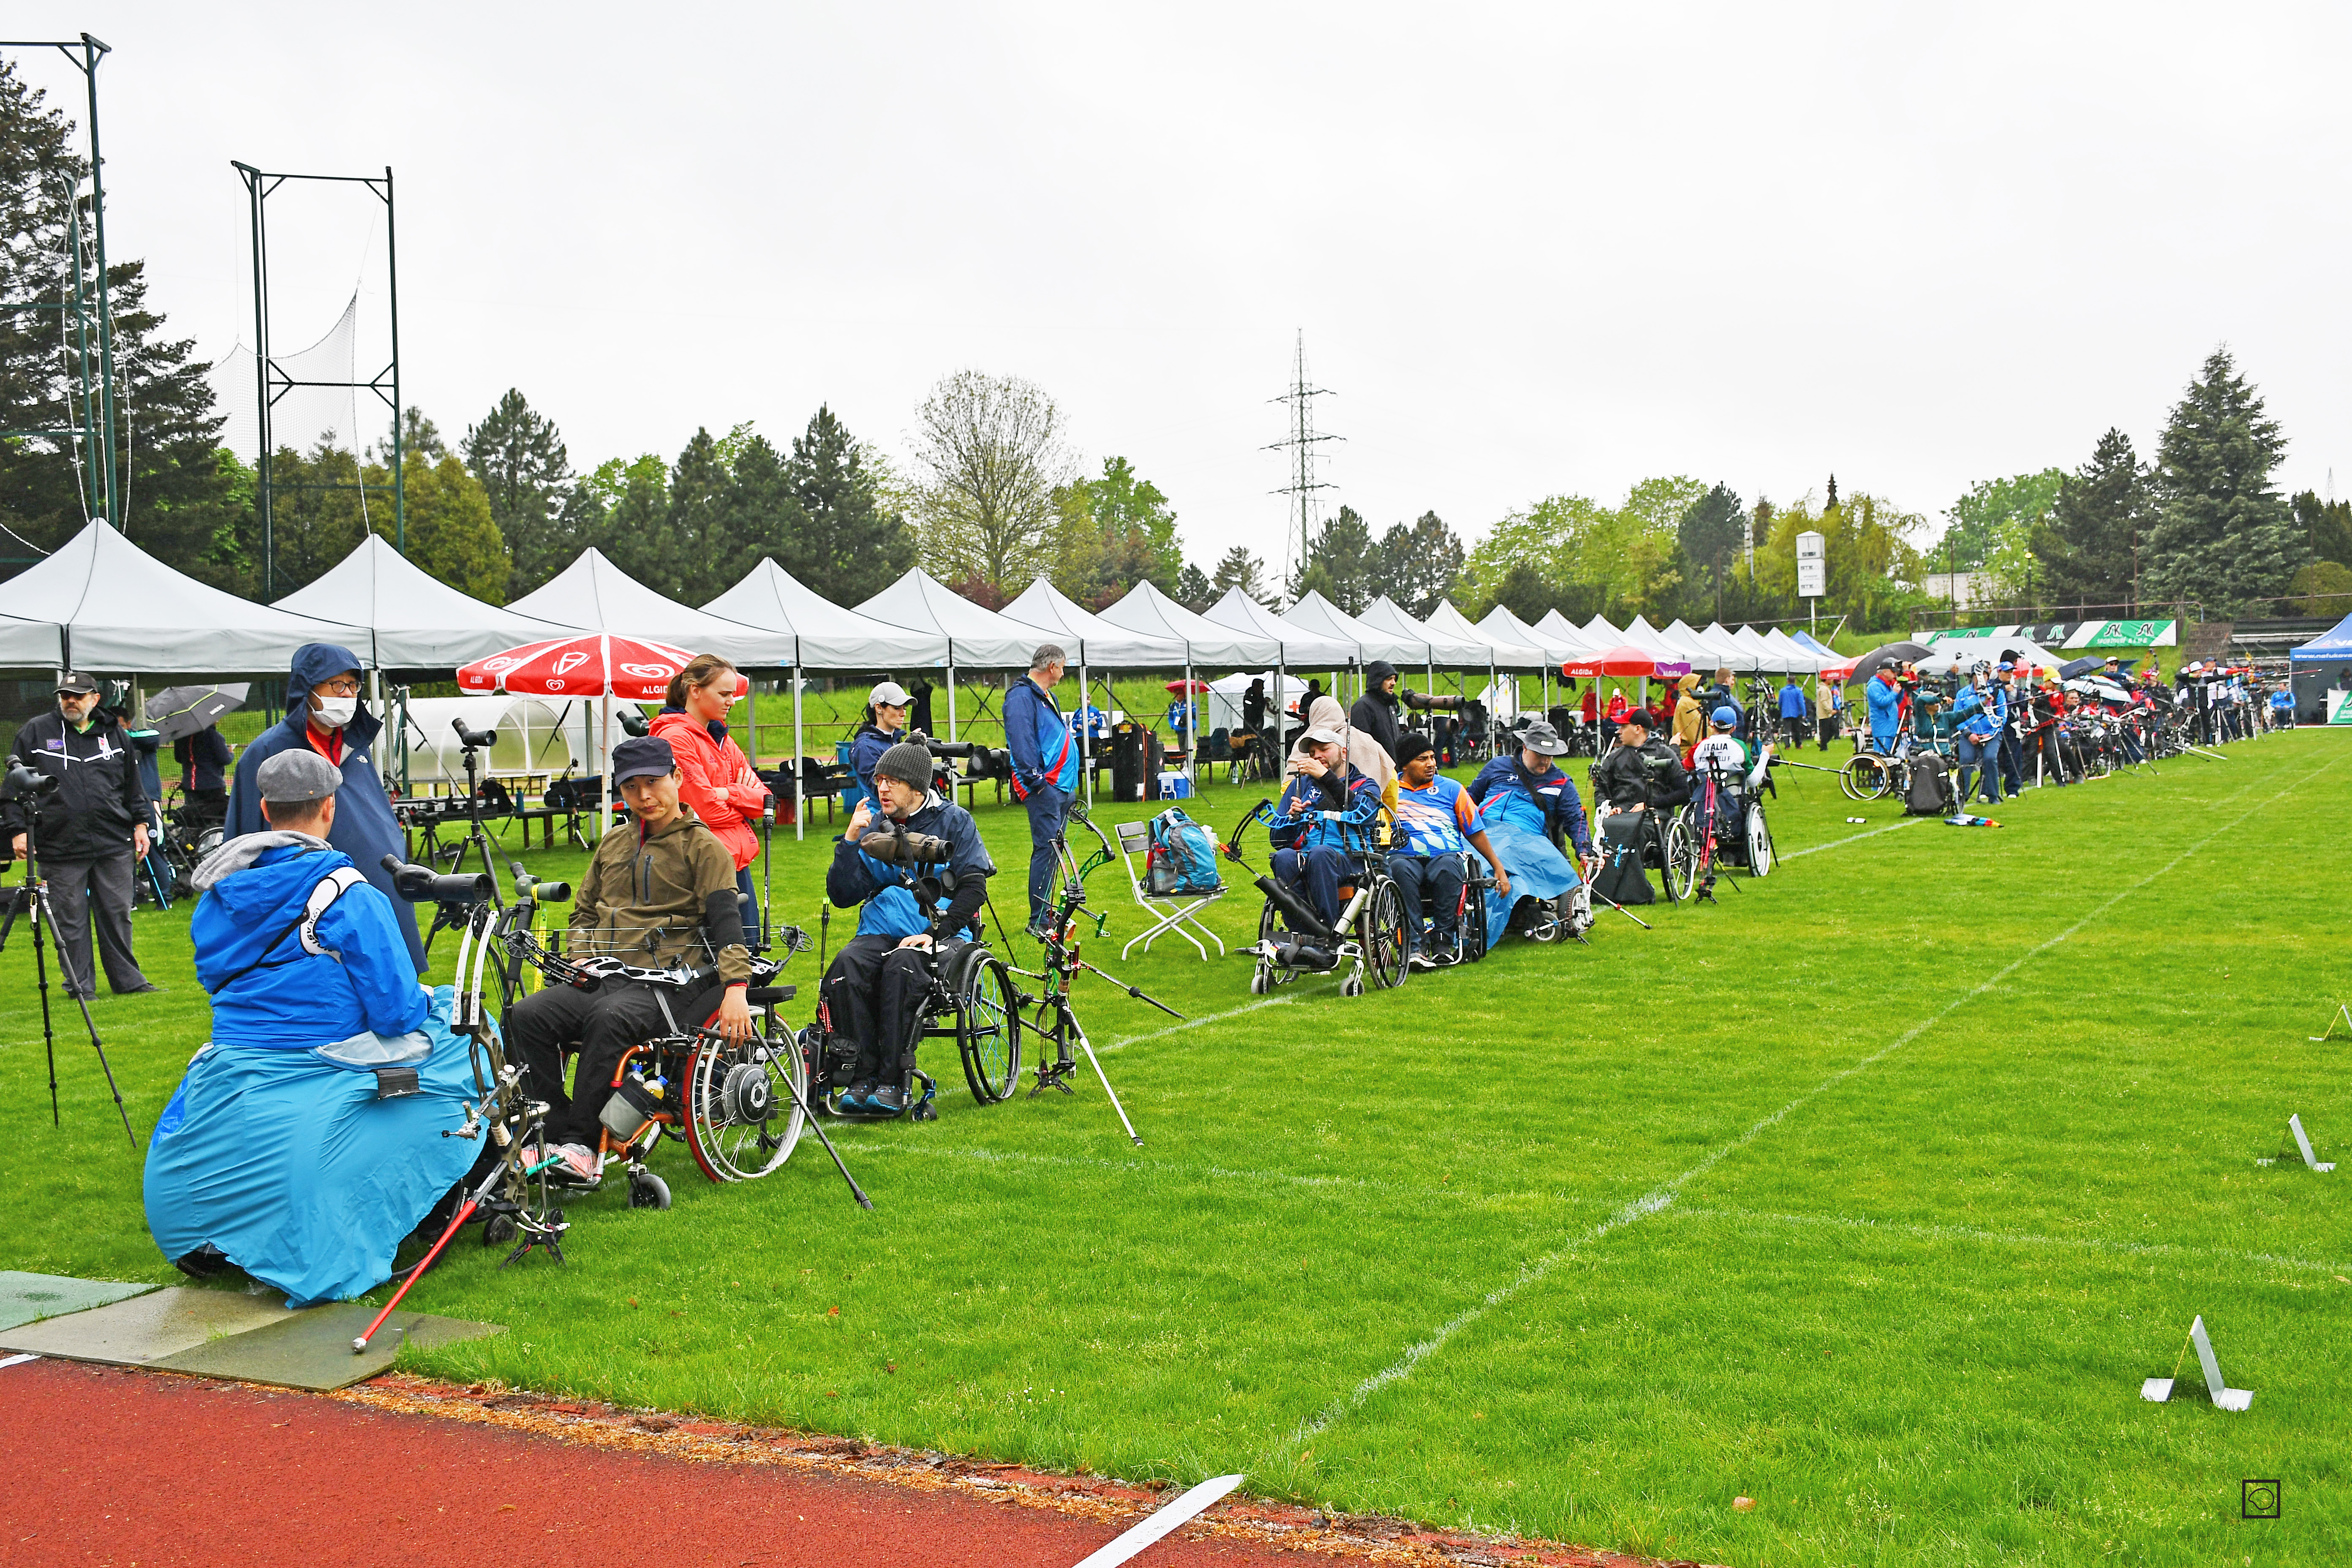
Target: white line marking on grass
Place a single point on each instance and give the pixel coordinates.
(1161, 1167)
(2018, 1239)
(1665, 1194)
(1125, 1040)
(1852, 838)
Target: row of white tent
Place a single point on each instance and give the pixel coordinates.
(101, 603)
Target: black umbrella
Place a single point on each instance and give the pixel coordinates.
(187, 710)
(1894, 652)
(2074, 666)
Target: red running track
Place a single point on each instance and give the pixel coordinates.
(109, 1466)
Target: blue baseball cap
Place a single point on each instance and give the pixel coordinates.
(1727, 715)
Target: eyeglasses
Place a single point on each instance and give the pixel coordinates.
(344, 687)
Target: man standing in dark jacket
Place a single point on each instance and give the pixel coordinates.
(88, 831)
(1046, 767)
(1375, 712)
(324, 713)
(204, 758)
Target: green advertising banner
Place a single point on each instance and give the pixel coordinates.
(2132, 633)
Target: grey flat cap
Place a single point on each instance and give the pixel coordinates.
(294, 776)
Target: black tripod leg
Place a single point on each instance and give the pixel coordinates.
(41, 974)
(818, 1128)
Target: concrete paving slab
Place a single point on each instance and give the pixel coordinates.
(27, 1297)
(146, 1328)
(313, 1350)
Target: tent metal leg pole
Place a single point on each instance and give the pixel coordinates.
(800, 750)
(951, 690)
(1086, 732)
(604, 768)
(375, 706)
(1191, 730)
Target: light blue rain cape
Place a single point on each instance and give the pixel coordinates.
(289, 1163)
(1514, 826)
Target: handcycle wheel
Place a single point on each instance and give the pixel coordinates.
(1680, 853)
(987, 1024)
(1269, 974)
(1383, 933)
(1759, 843)
(647, 1190)
(743, 1104)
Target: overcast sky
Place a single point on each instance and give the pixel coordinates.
(1536, 249)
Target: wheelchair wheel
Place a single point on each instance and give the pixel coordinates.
(1759, 843)
(987, 1024)
(1471, 925)
(1680, 855)
(647, 1190)
(743, 1113)
(1384, 938)
(1864, 776)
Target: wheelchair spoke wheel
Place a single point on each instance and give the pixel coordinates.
(1759, 843)
(1681, 853)
(1473, 924)
(744, 1119)
(1384, 936)
(988, 1029)
(1864, 777)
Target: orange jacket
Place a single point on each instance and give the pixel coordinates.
(706, 767)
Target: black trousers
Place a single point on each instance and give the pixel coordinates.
(601, 1025)
(874, 992)
(83, 892)
(1430, 888)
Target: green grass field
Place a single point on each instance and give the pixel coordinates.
(1871, 1193)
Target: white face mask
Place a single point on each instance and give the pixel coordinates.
(334, 713)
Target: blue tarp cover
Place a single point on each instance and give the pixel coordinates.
(287, 1163)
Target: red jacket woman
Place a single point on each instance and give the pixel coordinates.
(717, 779)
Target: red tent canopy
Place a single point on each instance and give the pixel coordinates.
(1622, 660)
(593, 664)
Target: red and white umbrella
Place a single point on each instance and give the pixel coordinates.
(593, 664)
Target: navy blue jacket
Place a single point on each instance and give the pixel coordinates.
(364, 827)
(1554, 796)
(866, 750)
(1033, 733)
(889, 905)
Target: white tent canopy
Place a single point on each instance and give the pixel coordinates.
(1319, 616)
(1224, 703)
(596, 596)
(101, 602)
(1596, 633)
(1089, 639)
(1301, 648)
(978, 638)
(1214, 643)
(418, 622)
(825, 635)
(1713, 652)
(1557, 631)
(1553, 644)
(1448, 622)
(1454, 650)
(1791, 656)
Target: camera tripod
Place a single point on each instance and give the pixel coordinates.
(472, 743)
(32, 900)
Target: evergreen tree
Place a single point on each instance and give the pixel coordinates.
(703, 536)
(1711, 532)
(317, 518)
(844, 537)
(178, 501)
(1338, 564)
(452, 534)
(1238, 569)
(2085, 551)
(2222, 534)
(1416, 566)
(630, 522)
(518, 455)
(1193, 590)
(2326, 526)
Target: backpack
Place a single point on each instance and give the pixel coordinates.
(1931, 792)
(1621, 878)
(1182, 857)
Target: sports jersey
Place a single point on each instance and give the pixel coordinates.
(1434, 819)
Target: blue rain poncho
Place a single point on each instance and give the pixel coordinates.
(1515, 824)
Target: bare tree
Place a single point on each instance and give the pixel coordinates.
(990, 452)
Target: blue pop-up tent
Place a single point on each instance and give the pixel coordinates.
(2328, 648)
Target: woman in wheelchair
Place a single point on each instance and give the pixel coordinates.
(660, 893)
(1532, 814)
(918, 874)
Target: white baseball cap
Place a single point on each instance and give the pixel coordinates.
(889, 692)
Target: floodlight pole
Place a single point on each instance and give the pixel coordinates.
(92, 51)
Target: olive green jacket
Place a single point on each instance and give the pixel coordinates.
(662, 900)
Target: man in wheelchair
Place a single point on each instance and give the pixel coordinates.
(660, 893)
(1532, 816)
(1323, 819)
(917, 873)
(1436, 828)
(1723, 759)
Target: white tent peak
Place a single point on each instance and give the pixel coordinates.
(979, 637)
(825, 634)
(596, 596)
(419, 622)
(104, 604)
(1091, 640)
(1153, 614)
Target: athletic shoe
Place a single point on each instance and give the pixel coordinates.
(887, 1100)
(1420, 959)
(1445, 958)
(856, 1096)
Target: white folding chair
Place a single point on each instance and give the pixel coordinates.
(1172, 911)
